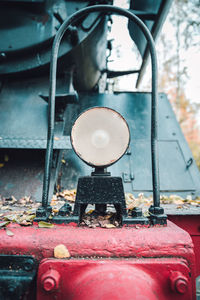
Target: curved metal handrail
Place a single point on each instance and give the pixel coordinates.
(52, 90)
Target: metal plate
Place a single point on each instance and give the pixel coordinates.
(97, 278)
(174, 152)
(17, 276)
(22, 174)
(174, 176)
(23, 116)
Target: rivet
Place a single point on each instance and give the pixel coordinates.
(50, 280)
(179, 282)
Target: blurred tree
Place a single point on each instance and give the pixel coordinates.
(185, 32)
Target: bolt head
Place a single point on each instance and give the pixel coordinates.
(156, 210)
(28, 265)
(49, 284)
(179, 282)
(50, 280)
(41, 212)
(181, 286)
(137, 212)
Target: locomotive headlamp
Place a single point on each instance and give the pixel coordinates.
(100, 136)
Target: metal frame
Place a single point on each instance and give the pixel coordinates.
(159, 19)
(107, 9)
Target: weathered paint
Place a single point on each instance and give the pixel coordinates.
(191, 224)
(138, 244)
(114, 279)
(83, 242)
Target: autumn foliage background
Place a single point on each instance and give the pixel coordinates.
(173, 50)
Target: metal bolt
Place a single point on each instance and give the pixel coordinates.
(181, 286)
(157, 210)
(137, 212)
(41, 212)
(179, 283)
(65, 209)
(50, 281)
(49, 284)
(49, 208)
(28, 265)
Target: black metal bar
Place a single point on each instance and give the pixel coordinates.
(52, 89)
(161, 16)
(144, 15)
(112, 74)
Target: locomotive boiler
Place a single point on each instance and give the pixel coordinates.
(54, 108)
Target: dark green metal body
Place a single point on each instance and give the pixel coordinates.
(17, 276)
(135, 166)
(26, 33)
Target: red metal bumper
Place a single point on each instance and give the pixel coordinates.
(114, 279)
(139, 260)
(191, 224)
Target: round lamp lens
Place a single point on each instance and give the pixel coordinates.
(100, 136)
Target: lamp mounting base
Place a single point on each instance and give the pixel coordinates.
(101, 190)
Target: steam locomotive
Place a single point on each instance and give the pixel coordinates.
(154, 257)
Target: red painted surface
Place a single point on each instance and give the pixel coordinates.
(117, 279)
(50, 280)
(140, 244)
(84, 242)
(179, 282)
(191, 224)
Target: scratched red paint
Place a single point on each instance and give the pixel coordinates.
(119, 243)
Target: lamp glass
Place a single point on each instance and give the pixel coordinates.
(100, 136)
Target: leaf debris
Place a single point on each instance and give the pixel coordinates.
(22, 211)
(61, 251)
(43, 224)
(9, 232)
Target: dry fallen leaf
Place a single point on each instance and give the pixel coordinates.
(6, 158)
(43, 224)
(3, 224)
(7, 207)
(179, 206)
(68, 195)
(103, 223)
(60, 251)
(110, 226)
(146, 213)
(9, 232)
(25, 223)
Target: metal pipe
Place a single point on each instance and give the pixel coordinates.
(52, 89)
